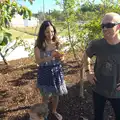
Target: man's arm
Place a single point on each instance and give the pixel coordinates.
(88, 64)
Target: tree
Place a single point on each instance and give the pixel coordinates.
(8, 9)
(82, 22)
(56, 14)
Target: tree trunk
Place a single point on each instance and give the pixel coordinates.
(84, 66)
(3, 57)
(81, 83)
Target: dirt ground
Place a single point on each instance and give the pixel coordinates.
(18, 92)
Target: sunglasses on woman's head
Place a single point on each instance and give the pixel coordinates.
(109, 25)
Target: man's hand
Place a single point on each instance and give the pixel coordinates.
(91, 78)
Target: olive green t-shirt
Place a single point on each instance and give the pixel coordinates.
(107, 67)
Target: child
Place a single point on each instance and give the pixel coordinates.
(39, 112)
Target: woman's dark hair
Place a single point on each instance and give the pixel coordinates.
(40, 42)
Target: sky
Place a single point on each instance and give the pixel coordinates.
(38, 5)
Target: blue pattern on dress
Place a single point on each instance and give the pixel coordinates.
(47, 54)
(50, 76)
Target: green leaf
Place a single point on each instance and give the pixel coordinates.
(29, 13)
(14, 3)
(8, 34)
(5, 41)
(21, 11)
(31, 1)
(1, 36)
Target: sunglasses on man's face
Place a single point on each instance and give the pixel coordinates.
(109, 25)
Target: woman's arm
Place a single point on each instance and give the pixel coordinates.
(38, 59)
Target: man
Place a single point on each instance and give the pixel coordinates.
(106, 77)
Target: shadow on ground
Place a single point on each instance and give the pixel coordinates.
(73, 107)
(32, 73)
(24, 79)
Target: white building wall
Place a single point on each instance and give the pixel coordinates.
(18, 21)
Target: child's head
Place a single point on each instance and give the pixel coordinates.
(38, 111)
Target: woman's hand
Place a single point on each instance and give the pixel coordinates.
(57, 54)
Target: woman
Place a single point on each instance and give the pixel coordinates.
(50, 79)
